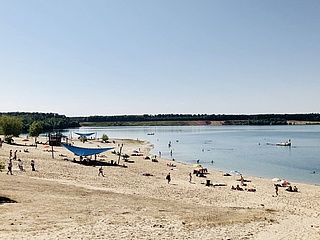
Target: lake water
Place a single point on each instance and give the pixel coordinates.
(250, 150)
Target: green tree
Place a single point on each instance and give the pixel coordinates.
(10, 127)
(35, 129)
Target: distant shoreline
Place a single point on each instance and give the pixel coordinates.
(50, 121)
(186, 123)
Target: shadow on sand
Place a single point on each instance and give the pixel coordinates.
(94, 163)
(6, 200)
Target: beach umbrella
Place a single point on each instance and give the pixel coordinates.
(284, 182)
(276, 180)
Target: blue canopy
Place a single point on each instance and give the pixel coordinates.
(85, 151)
(85, 134)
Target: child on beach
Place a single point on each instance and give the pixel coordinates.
(101, 172)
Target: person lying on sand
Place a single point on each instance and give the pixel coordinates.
(146, 174)
(290, 189)
(170, 165)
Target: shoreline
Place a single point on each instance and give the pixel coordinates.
(190, 123)
(63, 199)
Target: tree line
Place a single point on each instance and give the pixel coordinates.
(259, 119)
(48, 121)
(14, 123)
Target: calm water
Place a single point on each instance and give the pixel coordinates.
(247, 149)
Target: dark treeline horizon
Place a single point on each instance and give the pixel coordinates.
(52, 121)
(197, 117)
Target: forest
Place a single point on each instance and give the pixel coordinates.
(259, 119)
(54, 121)
(49, 121)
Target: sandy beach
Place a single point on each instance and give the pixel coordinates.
(66, 200)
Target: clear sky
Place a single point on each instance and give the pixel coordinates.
(116, 57)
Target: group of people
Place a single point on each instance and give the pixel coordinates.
(292, 189)
(238, 188)
(289, 189)
(20, 163)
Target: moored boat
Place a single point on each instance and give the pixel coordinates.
(288, 143)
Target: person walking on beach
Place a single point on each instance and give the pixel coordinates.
(241, 180)
(32, 165)
(101, 172)
(168, 177)
(20, 165)
(277, 189)
(10, 167)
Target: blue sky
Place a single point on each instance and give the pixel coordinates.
(103, 57)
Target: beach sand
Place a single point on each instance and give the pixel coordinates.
(66, 200)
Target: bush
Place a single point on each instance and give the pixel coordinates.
(2, 166)
(105, 138)
(83, 139)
